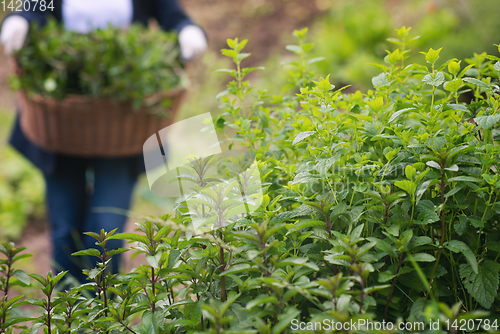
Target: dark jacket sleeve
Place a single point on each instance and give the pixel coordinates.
(170, 15)
(42, 159)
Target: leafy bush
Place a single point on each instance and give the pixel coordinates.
(133, 64)
(355, 33)
(21, 194)
(379, 206)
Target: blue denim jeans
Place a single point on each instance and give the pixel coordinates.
(87, 195)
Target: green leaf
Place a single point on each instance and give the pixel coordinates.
(384, 245)
(251, 69)
(248, 236)
(454, 85)
(228, 71)
(483, 283)
(410, 173)
(487, 122)
(409, 186)
(433, 164)
(231, 298)
(453, 191)
(478, 83)
(380, 80)
(93, 273)
(131, 236)
(58, 277)
(307, 47)
(229, 53)
(432, 55)
(315, 60)
(301, 136)
(11, 302)
(272, 231)
(297, 261)
(35, 328)
(305, 223)
(239, 268)
(293, 63)
(262, 299)
(419, 241)
(303, 210)
(154, 261)
(454, 67)
(468, 67)
(459, 107)
(375, 105)
(423, 257)
(114, 252)
(294, 48)
(493, 245)
(462, 226)
(457, 246)
(285, 320)
(325, 84)
(464, 178)
(423, 188)
(435, 79)
(22, 276)
(375, 288)
(16, 320)
(394, 41)
(399, 113)
(497, 66)
(242, 56)
(231, 43)
(89, 252)
(241, 45)
(39, 278)
(426, 212)
(453, 168)
(323, 165)
(385, 276)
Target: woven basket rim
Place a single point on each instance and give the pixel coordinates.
(46, 124)
(78, 98)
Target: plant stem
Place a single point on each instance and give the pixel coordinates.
(362, 295)
(153, 289)
(443, 221)
(223, 296)
(393, 286)
(6, 286)
(443, 230)
(202, 322)
(49, 308)
(127, 328)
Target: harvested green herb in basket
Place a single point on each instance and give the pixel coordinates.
(137, 64)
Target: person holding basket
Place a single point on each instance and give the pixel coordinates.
(76, 185)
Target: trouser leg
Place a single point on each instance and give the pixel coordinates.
(114, 181)
(66, 202)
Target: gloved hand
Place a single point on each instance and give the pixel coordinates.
(192, 41)
(14, 31)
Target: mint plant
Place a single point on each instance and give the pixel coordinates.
(375, 206)
(58, 63)
(11, 277)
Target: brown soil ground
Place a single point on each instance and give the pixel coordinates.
(263, 22)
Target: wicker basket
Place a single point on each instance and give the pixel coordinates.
(83, 126)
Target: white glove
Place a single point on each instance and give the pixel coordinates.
(192, 41)
(14, 31)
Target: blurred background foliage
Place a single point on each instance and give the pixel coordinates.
(349, 34)
(352, 34)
